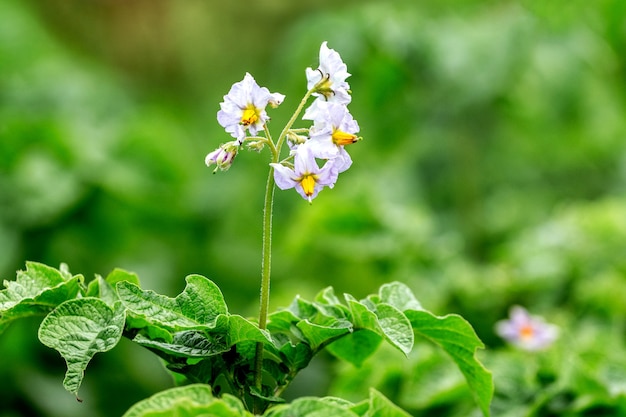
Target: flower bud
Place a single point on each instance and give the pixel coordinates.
(295, 138)
(256, 145)
(223, 156)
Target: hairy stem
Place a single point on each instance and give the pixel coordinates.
(266, 262)
(283, 134)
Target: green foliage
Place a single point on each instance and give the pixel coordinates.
(493, 174)
(200, 340)
(458, 339)
(190, 400)
(197, 399)
(36, 291)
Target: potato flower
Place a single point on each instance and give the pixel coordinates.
(329, 81)
(333, 128)
(525, 331)
(306, 176)
(243, 108)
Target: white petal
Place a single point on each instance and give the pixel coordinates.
(284, 177)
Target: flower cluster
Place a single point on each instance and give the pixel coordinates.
(525, 331)
(332, 127)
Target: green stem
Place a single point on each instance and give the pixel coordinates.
(283, 134)
(267, 242)
(266, 265)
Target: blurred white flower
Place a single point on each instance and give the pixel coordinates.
(525, 331)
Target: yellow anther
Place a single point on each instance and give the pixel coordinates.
(250, 116)
(308, 184)
(343, 138)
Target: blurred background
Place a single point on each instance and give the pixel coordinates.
(492, 173)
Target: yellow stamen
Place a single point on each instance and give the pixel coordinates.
(308, 184)
(324, 86)
(343, 138)
(250, 116)
(526, 332)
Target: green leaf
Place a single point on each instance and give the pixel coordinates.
(384, 320)
(188, 401)
(296, 356)
(241, 329)
(302, 309)
(362, 317)
(104, 288)
(327, 296)
(78, 329)
(457, 337)
(356, 347)
(399, 295)
(311, 407)
(36, 291)
(197, 307)
(396, 327)
(187, 344)
(317, 336)
(119, 275)
(282, 321)
(380, 406)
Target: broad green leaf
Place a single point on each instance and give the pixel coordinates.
(119, 275)
(384, 320)
(197, 307)
(101, 289)
(327, 303)
(36, 291)
(188, 344)
(399, 295)
(317, 336)
(396, 327)
(241, 329)
(380, 406)
(297, 356)
(356, 347)
(458, 339)
(301, 308)
(188, 401)
(78, 329)
(104, 288)
(362, 317)
(282, 321)
(311, 407)
(327, 296)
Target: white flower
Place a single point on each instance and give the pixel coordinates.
(526, 331)
(306, 176)
(329, 80)
(333, 128)
(243, 108)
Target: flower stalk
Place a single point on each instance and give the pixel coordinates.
(243, 116)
